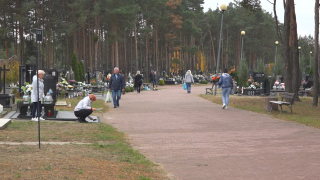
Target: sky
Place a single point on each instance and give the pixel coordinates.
(305, 18)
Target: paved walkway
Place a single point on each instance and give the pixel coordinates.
(195, 139)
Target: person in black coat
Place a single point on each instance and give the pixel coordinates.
(116, 84)
(151, 76)
(138, 81)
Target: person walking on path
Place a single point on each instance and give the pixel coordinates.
(155, 81)
(225, 82)
(151, 76)
(116, 84)
(34, 94)
(138, 81)
(188, 79)
(84, 109)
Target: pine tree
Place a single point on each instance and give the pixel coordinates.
(82, 71)
(75, 67)
(243, 73)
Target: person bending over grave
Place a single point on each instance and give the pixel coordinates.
(84, 109)
(34, 94)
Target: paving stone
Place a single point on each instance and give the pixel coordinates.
(195, 139)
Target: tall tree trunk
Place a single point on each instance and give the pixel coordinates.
(213, 52)
(286, 49)
(316, 55)
(96, 43)
(116, 57)
(147, 65)
(136, 45)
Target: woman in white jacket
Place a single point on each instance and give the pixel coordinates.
(34, 94)
(188, 79)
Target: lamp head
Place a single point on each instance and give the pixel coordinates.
(276, 42)
(310, 52)
(223, 7)
(243, 33)
(299, 47)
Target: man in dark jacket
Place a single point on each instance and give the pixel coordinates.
(151, 76)
(116, 84)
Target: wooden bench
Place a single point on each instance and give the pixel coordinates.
(210, 90)
(288, 102)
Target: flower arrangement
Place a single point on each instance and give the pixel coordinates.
(215, 79)
(238, 91)
(107, 80)
(93, 82)
(233, 72)
(27, 88)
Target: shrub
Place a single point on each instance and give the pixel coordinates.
(127, 89)
(63, 94)
(131, 89)
(14, 91)
(161, 83)
(203, 82)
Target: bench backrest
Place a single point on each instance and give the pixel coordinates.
(287, 96)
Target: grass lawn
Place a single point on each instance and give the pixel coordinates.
(303, 112)
(109, 156)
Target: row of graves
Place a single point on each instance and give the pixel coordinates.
(55, 86)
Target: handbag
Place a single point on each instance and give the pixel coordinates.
(185, 86)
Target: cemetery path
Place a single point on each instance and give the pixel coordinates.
(195, 139)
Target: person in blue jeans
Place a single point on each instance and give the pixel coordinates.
(155, 79)
(116, 84)
(226, 83)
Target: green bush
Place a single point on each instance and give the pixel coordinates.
(63, 94)
(161, 83)
(128, 89)
(203, 82)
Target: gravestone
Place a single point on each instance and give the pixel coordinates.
(88, 76)
(4, 98)
(50, 81)
(22, 77)
(267, 87)
(70, 75)
(258, 77)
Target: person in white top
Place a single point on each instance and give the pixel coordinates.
(84, 109)
(34, 94)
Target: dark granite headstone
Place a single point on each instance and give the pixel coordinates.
(258, 77)
(267, 87)
(50, 82)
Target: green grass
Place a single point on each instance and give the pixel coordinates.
(303, 112)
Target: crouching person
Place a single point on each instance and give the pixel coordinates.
(84, 109)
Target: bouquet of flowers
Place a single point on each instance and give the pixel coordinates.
(27, 88)
(215, 79)
(233, 72)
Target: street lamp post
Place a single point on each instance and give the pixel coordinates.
(242, 34)
(299, 53)
(223, 7)
(275, 57)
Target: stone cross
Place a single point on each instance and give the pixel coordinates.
(30, 71)
(4, 78)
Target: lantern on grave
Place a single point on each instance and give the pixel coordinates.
(48, 99)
